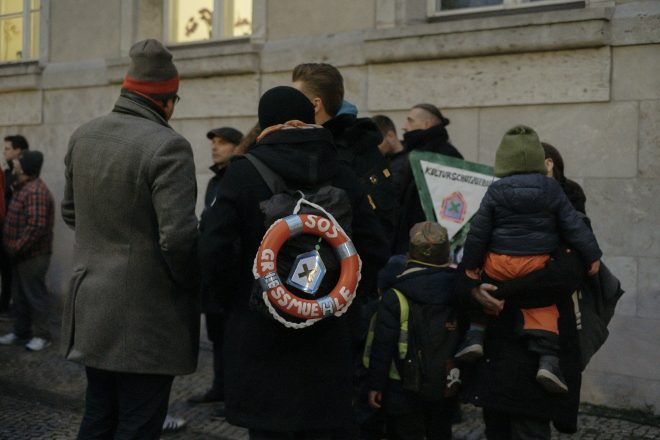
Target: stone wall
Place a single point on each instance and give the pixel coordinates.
(586, 79)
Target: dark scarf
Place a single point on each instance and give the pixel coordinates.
(426, 140)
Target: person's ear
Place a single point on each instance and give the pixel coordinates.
(318, 105)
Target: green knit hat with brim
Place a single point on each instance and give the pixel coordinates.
(520, 152)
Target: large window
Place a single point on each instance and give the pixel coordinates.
(19, 30)
(198, 20)
(452, 7)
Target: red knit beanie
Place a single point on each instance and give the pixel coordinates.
(151, 71)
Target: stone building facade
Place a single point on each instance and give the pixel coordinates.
(585, 74)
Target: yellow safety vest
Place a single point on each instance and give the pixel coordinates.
(403, 336)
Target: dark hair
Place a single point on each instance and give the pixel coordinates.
(322, 80)
(385, 124)
(17, 141)
(435, 111)
(558, 168)
(249, 140)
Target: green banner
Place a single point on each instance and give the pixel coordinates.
(450, 190)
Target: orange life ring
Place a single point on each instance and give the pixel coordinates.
(265, 267)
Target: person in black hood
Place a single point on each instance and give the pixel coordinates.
(425, 130)
(281, 381)
(426, 279)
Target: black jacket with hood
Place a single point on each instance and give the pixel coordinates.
(357, 141)
(435, 140)
(421, 284)
(281, 379)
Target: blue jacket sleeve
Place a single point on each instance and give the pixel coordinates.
(481, 229)
(573, 229)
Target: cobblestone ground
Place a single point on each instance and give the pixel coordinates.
(41, 398)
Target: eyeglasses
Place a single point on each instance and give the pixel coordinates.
(177, 98)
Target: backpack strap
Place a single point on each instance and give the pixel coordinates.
(403, 323)
(275, 183)
(404, 312)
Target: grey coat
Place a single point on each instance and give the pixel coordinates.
(132, 304)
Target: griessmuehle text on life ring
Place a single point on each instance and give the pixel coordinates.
(265, 267)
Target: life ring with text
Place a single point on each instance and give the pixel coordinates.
(275, 293)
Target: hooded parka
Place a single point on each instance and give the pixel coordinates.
(280, 379)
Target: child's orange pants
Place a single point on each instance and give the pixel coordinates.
(506, 267)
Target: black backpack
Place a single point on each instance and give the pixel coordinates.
(434, 333)
(281, 204)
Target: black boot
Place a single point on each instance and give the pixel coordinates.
(472, 347)
(549, 375)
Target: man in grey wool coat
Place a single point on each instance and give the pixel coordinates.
(132, 309)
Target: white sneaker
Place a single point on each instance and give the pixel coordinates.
(37, 344)
(8, 339)
(173, 424)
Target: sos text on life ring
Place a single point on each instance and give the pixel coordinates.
(265, 267)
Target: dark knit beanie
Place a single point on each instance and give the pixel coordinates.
(429, 243)
(31, 161)
(283, 103)
(151, 71)
(519, 152)
(228, 134)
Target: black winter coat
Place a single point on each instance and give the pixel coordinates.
(357, 141)
(504, 378)
(277, 378)
(526, 214)
(213, 185)
(420, 284)
(435, 140)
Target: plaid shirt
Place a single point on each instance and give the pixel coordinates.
(28, 228)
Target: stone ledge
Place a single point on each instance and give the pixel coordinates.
(25, 75)
(541, 31)
(230, 57)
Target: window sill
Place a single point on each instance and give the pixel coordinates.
(204, 58)
(501, 34)
(20, 75)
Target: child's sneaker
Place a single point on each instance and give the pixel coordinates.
(8, 339)
(472, 347)
(549, 375)
(37, 344)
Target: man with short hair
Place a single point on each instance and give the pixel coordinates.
(132, 310)
(357, 142)
(425, 130)
(14, 146)
(392, 149)
(224, 143)
(28, 241)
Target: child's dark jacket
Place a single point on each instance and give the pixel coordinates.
(526, 214)
(420, 284)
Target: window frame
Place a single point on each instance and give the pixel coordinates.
(507, 6)
(218, 5)
(26, 37)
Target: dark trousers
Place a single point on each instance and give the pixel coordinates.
(31, 298)
(123, 406)
(434, 423)
(505, 426)
(215, 329)
(258, 434)
(5, 273)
